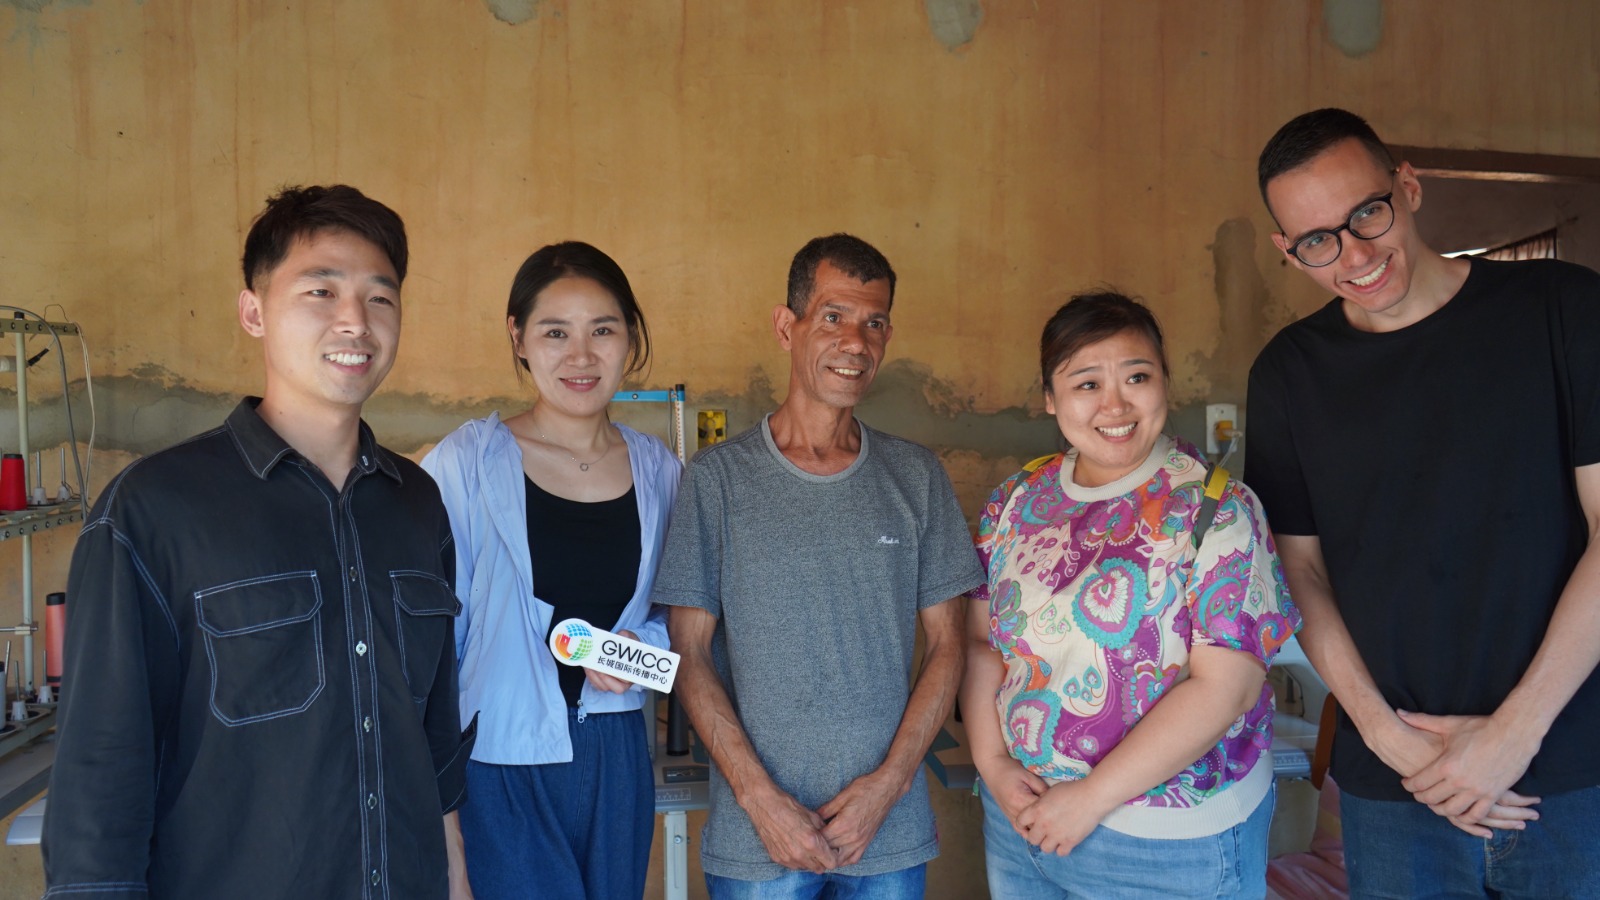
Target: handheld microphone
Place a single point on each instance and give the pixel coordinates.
(577, 643)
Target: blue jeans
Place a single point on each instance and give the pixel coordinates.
(904, 884)
(565, 831)
(1110, 865)
(1400, 848)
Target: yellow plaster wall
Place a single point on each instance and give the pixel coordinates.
(1067, 144)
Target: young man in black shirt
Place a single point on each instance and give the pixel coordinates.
(1427, 447)
(261, 642)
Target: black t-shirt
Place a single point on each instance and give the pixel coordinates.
(585, 562)
(1435, 464)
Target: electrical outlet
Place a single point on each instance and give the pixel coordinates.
(1216, 414)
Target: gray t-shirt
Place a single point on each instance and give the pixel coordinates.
(816, 582)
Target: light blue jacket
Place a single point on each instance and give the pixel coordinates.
(507, 673)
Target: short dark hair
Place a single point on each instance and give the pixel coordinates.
(848, 253)
(303, 212)
(1090, 318)
(579, 260)
(1307, 135)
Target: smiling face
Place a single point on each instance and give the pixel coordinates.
(328, 317)
(1374, 277)
(1110, 401)
(576, 345)
(836, 347)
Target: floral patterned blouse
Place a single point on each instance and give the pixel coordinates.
(1096, 596)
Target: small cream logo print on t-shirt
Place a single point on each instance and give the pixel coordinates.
(885, 539)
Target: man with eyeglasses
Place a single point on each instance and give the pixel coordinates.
(1427, 446)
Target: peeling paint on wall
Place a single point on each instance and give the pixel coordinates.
(144, 413)
(140, 415)
(954, 22)
(899, 404)
(153, 372)
(1243, 303)
(942, 396)
(513, 12)
(908, 401)
(27, 20)
(1354, 26)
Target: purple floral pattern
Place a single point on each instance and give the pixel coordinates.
(1096, 604)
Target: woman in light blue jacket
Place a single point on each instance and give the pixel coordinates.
(558, 513)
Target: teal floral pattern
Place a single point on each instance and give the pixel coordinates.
(1095, 605)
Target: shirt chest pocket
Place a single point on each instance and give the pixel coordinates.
(263, 639)
(424, 608)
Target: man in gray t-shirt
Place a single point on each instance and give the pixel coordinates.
(801, 556)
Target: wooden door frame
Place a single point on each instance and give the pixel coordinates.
(1496, 165)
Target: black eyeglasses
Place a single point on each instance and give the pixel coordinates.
(1371, 220)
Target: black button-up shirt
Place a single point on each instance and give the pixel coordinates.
(260, 683)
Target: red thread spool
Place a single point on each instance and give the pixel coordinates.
(55, 637)
(13, 483)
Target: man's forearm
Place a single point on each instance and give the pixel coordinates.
(790, 832)
(933, 695)
(1484, 756)
(856, 813)
(1325, 638)
(1571, 646)
(708, 706)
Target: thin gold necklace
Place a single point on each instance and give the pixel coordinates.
(584, 466)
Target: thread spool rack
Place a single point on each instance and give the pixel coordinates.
(23, 525)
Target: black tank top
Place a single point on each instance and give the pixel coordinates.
(585, 562)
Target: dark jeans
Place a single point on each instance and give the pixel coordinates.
(1402, 849)
(565, 831)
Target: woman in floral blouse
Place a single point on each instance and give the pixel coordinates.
(1115, 696)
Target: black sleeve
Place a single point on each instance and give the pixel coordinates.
(451, 747)
(1272, 467)
(121, 678)
(1580, 359)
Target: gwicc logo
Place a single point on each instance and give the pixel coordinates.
(574, 641)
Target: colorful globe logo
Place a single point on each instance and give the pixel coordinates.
(574, 641)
